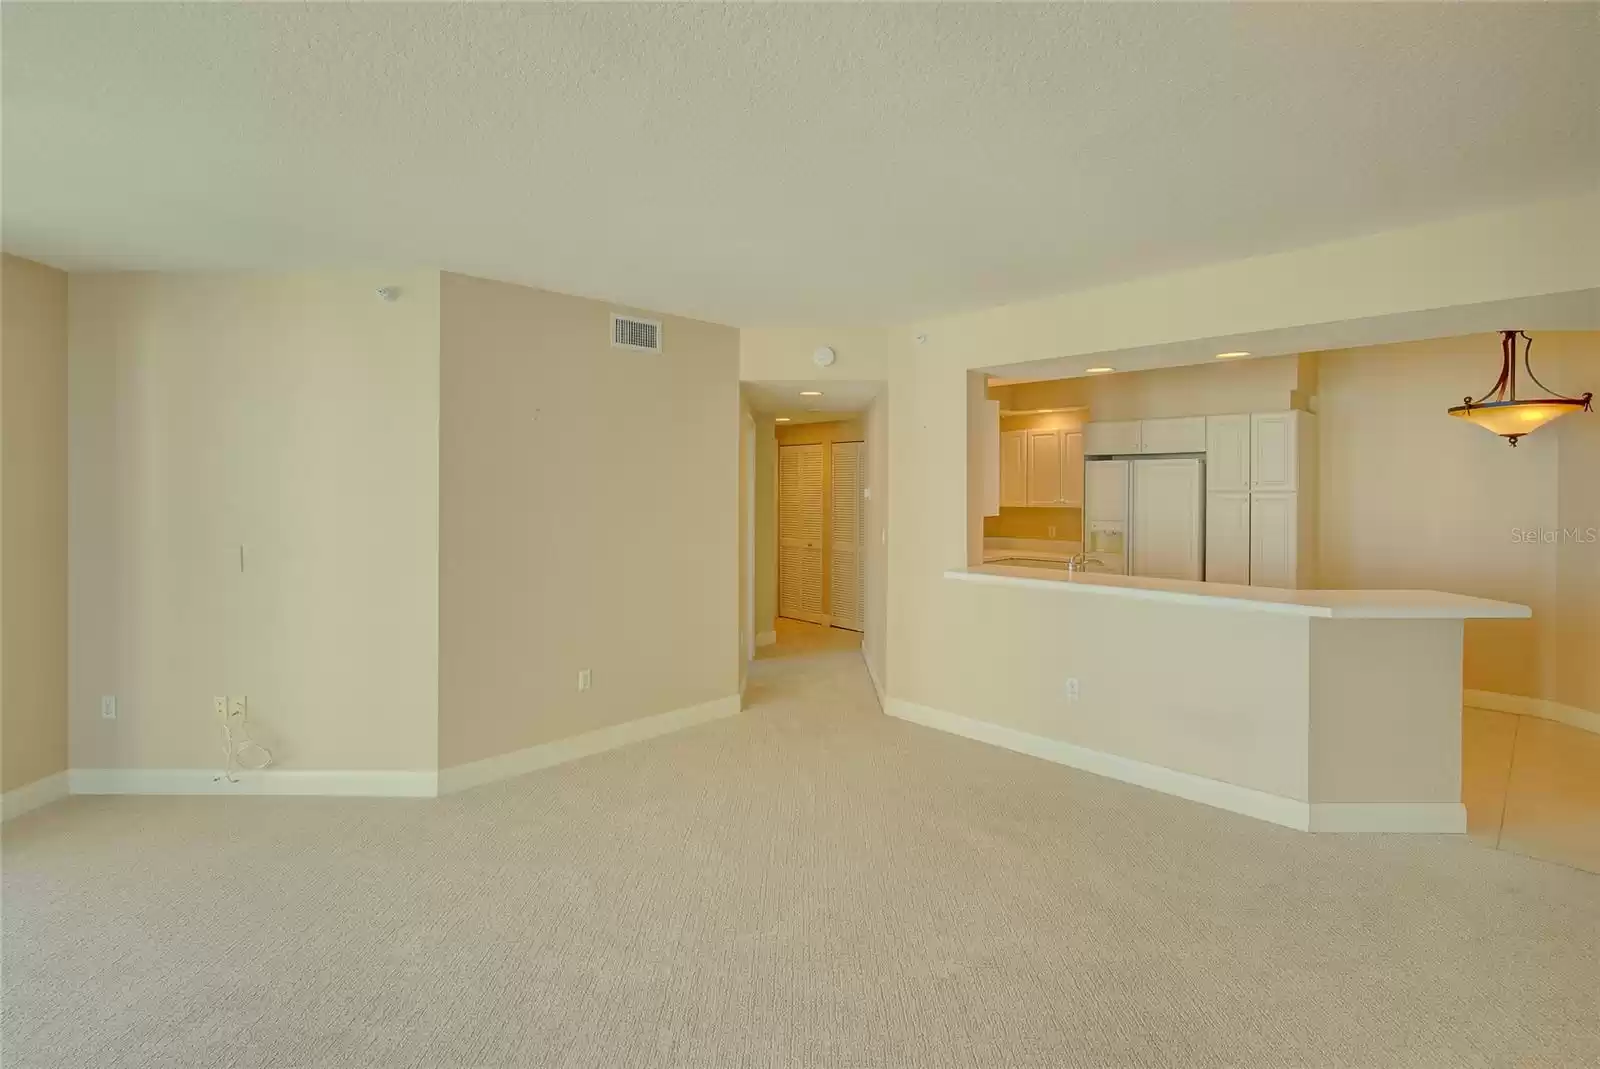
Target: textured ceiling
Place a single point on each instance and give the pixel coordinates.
(777, 164)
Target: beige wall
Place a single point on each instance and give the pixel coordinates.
(1573, 661)
(1001, 655)
(783, 354)
(33, 523)
(1412, 497)
(1267, 384)
(875, 641)
(766, 525)
(296, 416)
(589, 508)
(839, 430)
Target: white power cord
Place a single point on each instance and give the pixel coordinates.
(234, 750)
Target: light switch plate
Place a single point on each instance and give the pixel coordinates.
(108, 706)
(1072, 690)
(585, 679)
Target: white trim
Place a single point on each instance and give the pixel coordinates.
(876, 684)
(1273, 808)
(1415, 817)
(1542, 708)
(520, 762)
(27, 798)
(364, 783)
(767, 638)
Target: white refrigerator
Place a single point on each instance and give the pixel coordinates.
(1146, 516)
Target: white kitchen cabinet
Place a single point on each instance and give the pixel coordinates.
(1183, 435)
(1274, 452)
(1228, 453)
(1013, 468)
(1228, 534)
(1044, 468)
(989, 456)
(1274, 539)
(1168, 529)
(1111, 439)
(1072, 469)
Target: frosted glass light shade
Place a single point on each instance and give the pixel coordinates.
(1513, 419)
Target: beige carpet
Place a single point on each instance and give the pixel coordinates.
(810, 884)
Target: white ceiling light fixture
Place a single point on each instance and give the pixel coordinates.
(810, 393)
(1098, 370)
(1230, 356)
(824, 356)
(781, 419)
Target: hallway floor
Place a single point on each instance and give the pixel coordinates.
(808, 884)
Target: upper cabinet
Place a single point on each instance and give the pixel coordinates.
(1228, 453)
(1013, 468)
(1044, 467)
(1072, 469)
(1184, 435)
(1111, 439)
(1274, 452)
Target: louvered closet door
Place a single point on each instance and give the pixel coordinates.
(800, 528)
(845, 578)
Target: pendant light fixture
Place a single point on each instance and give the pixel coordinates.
(1511, 416)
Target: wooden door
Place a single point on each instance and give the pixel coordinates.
(1044, 467)
(800, 533)
(847, 548)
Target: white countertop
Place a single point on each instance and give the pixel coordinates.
(1342, 604)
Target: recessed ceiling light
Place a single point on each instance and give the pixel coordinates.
(810, 393)
(1097, 370)
(1229, 356)
(781, 419)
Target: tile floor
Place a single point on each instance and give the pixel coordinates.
(1532, 786)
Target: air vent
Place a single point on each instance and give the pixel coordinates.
(641, 334)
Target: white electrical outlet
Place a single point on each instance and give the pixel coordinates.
(585, 679)
(108, 706)
(1072, 690)
(219, 705)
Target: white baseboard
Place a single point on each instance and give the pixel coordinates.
(877, 684)
(766, 638)
(1414, 817)
(1571, 715)
(1275, 809)
(1252, 803)
(41, 792)
(381, 783)
(520, 762)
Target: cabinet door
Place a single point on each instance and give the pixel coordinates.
(1228, 537)
(1184, 435)
(1014, 468)
(989, 473)
(1044, 467)
(1272, 451)
(1111, 439)
(1072, 469)
(1274, 540)
(1168, 531)
(1228, 453)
